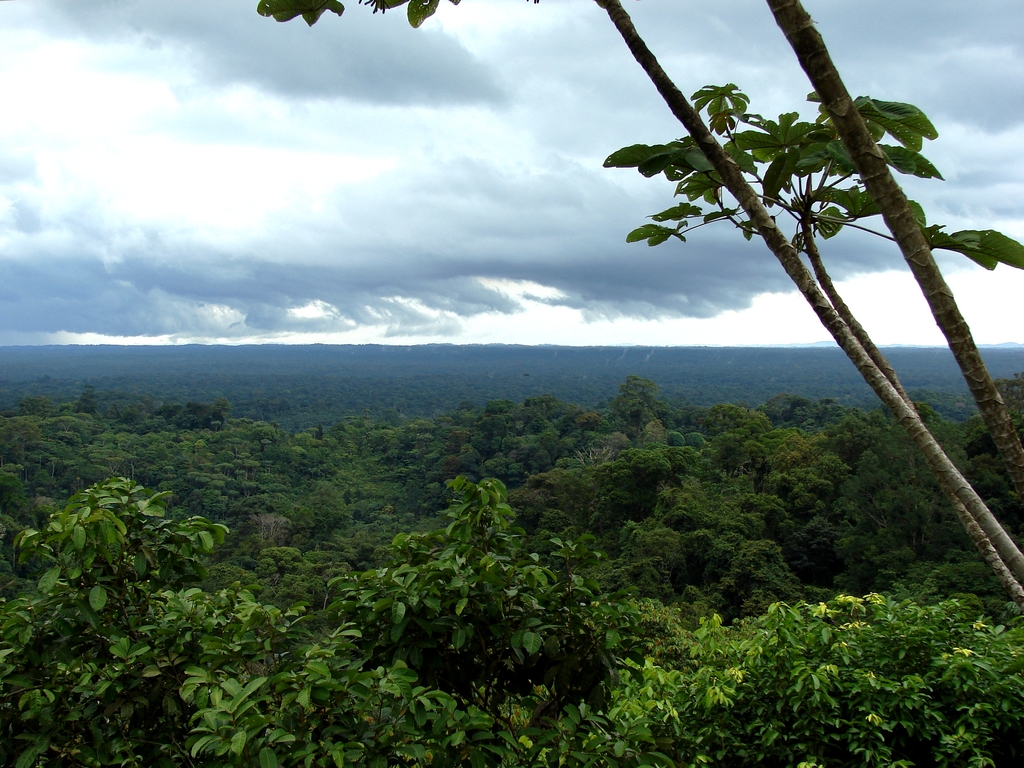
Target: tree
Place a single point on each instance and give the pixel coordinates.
(468, 649)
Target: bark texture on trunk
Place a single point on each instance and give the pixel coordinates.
(814, 57)
(951, 481)
(825, 281)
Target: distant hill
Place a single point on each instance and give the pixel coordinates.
(301, 386)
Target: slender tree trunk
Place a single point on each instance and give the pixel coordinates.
(952, 483)
(811, 249)
(974, 531)
(810, 49)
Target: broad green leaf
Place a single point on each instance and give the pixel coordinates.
(120, 648)
(420, 11)
(268, 758)
(918, 211)
(743, 159)
(238, 741)
(632, 156)
(654, 234)
(206, 540)
(813, 156)
(397, 611)
(830, 224)
(532, 642)
(720, 214)
(655, 164)
(780, 174)
(855, 202)
(985, 247)
(678, 212)
(309, 10)
(97, 598)
(697, 160)
(904, 122)
(49, 580)
(78, 537)
(907, 161)
(838, 152)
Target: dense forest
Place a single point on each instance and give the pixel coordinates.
(720, 529)
(302, 386)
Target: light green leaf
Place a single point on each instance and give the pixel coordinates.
(49, 580)
(397, 612)
(238, 741)
(97, 598)
(78, 537)
(206, 541)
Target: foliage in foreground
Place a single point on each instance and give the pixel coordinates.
(114, 662)
(850, 682)
(469, 651)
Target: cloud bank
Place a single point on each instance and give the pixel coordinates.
(190, 170)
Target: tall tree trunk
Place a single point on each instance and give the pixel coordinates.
(810, 49)
(811, 249)
(950, 480)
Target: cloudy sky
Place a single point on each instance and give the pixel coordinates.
(189, 171)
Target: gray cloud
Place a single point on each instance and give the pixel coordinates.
(405, 251)
(367, 59)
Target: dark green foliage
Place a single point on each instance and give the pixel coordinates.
(110, 663)
(303, 386)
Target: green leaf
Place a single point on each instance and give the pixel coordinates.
(420, 11)
(309, 10)
(779, 174)
(904, 122)
(855, 202)
(397, 612)
(907, 161)
(838, 152)
(78, 537)
(238, 741)
(743, 159)
(697, 160)
(206, 540)
(655, 164)
(268, 758)
(985, 247)
(97, 598)
(461, 606)
(918, 211)
(632, 156)
(49, 580)
(677, 212)
(650, 232)
(531, 642)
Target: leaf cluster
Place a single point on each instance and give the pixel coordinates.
(800, 168)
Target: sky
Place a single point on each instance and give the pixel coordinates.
(191, 172)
